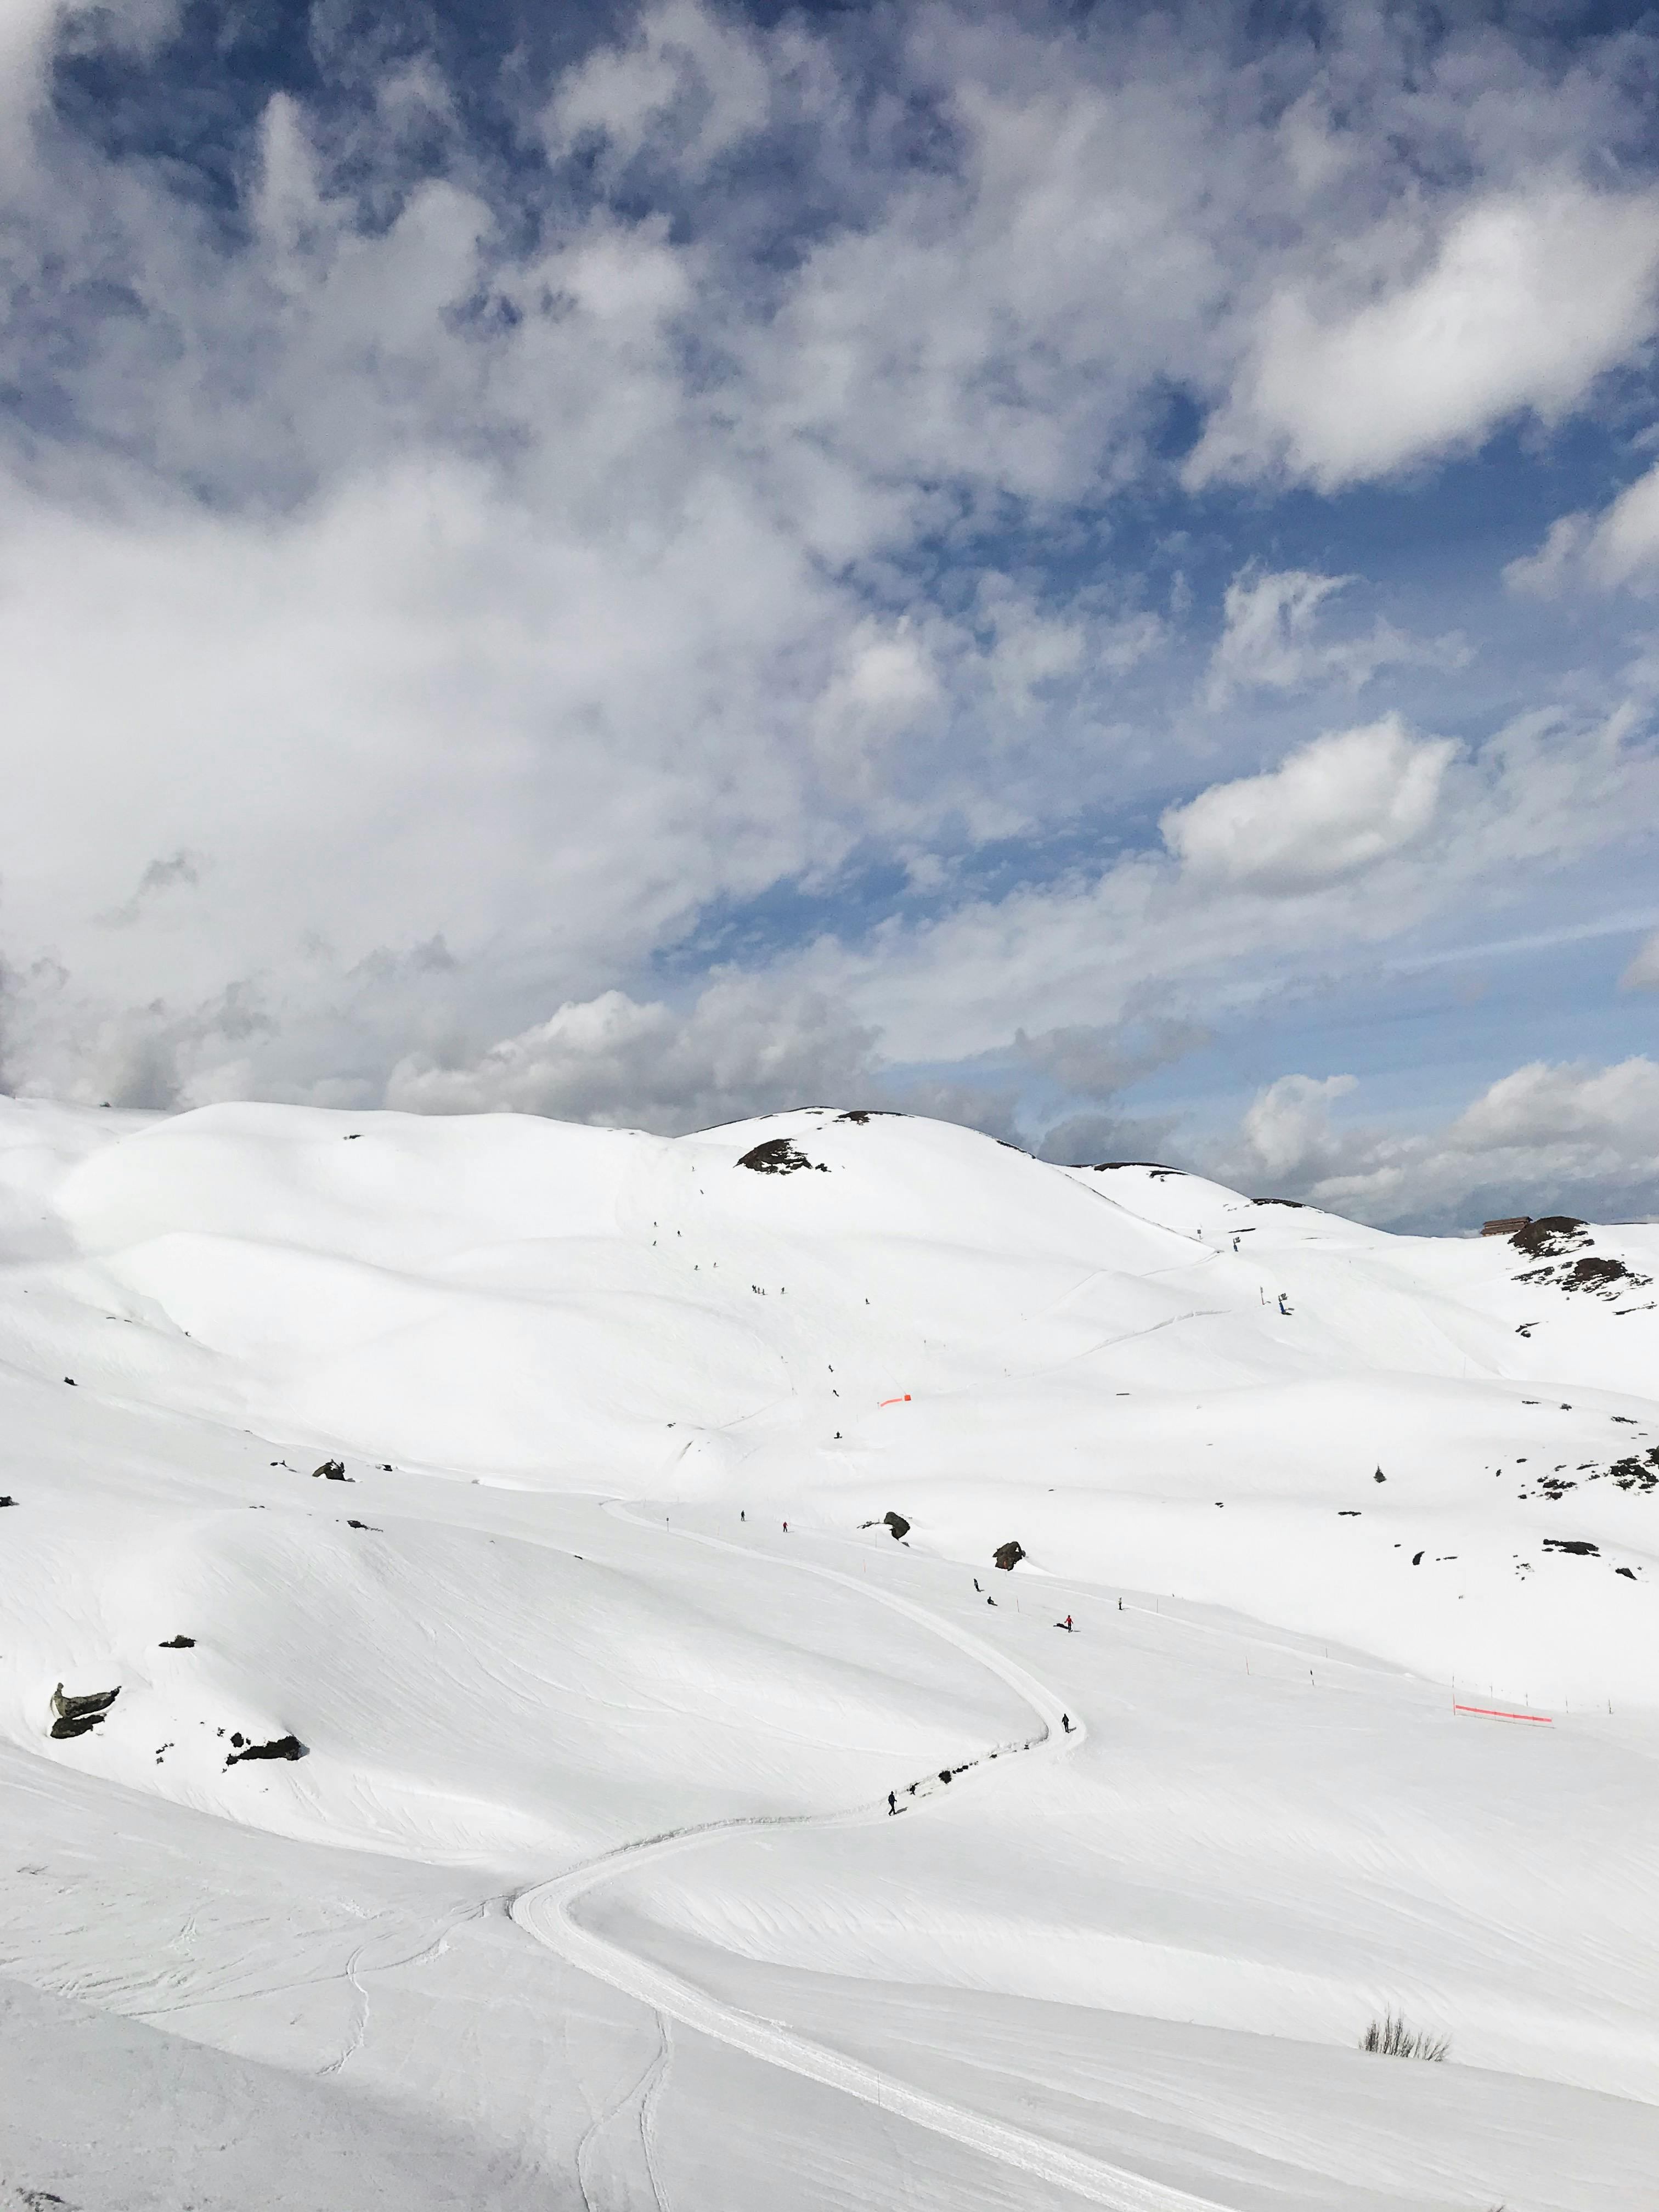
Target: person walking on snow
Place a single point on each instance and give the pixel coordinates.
(1283, 1308)
(892, 1803)
(1065, 1722)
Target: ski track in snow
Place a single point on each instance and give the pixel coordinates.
(546, 1910)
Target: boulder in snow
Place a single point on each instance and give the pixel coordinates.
(279, 1747)
(74, 1716)
(779, 1155)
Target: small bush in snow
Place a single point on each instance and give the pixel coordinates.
(1391, 2036)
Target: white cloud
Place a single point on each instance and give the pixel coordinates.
(1269, 640)
(1550, 1137)
(1134, 932)
(1547, 1104)
(687, 81)
(31, 31)
(741, 1049)
(1287, 1130)
(1268, 634)
(555, 565)
(1337, 806)
(1527, 297)
(1619, 547)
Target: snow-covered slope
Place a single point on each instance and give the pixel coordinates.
(1339, 1483)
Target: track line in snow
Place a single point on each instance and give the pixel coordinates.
(545, 1911)
(656, 2082)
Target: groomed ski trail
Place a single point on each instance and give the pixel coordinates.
(546, 1912)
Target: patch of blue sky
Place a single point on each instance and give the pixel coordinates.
(872, 890)
(1424, 1033)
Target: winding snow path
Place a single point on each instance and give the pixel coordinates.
(547, 1912)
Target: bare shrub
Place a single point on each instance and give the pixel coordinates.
(1391, 2036)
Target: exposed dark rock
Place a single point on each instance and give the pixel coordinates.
(331, 1470)
(1629, 1573)
(1593, 1273)
(1295, 1202)
(177, 1643)
(897, 1523)
(1105, 1167)
(863, 1114)
(82, 1724)
(70, 1707)
(77, 1716)
(1009, 1555)
(779, 1155)
(1634, 1472)
(1580, 1546)
(1549, 1235)
(281, 1746)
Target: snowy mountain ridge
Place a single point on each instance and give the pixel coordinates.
(1247, 1445)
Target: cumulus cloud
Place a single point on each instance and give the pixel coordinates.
(1548, 1137)
(1526, 298)
(1333, 808)
(689, 82)
(739, 1049)
(1618, 548)
(1287, 1130)
(502, 555)
(1547, 794)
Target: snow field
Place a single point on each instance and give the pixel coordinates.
(1138, 1963)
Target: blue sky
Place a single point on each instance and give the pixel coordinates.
(1092, 571)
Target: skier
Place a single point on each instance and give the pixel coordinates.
(786, 1527)
(977, 1585)
(1068, 1624)
(892, 1803)
(1283, 1308)
(742, 1515)
(1065, 1722)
